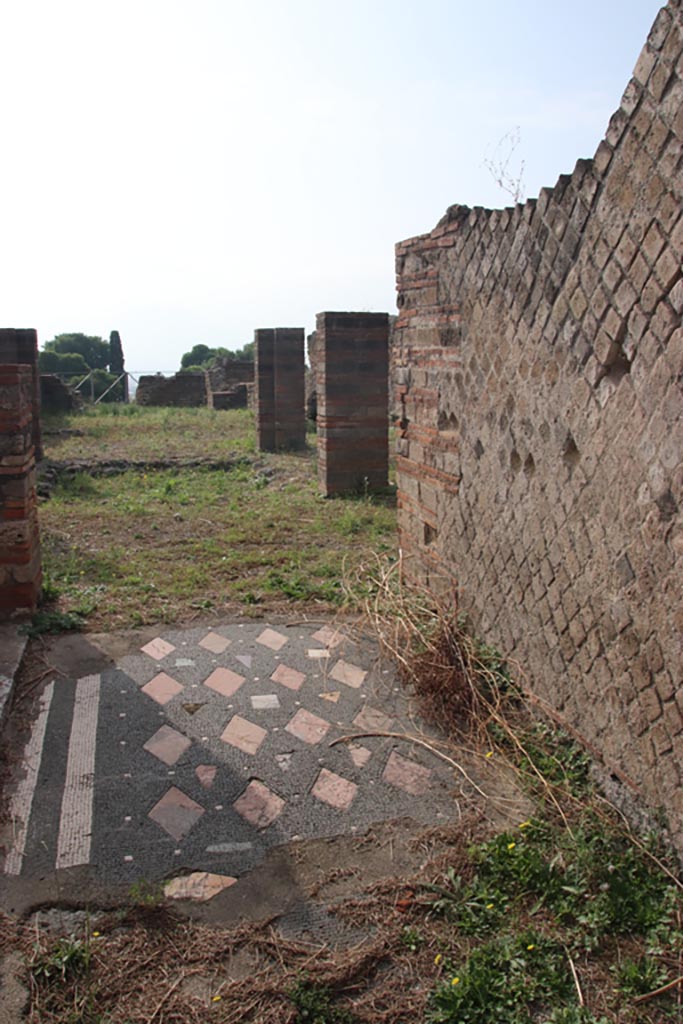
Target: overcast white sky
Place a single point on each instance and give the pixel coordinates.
(187, 170)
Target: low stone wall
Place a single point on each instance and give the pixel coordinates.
(538, 375)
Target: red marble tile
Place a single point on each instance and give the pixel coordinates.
(176, 813)
(167, 744)
(158, 648)
(351, 675)
(407, 775)
(288, 677)
(259, 805)
(307, 726)
(334, 790)
(243, 734)
(224, 681)
(215, 643)
(162, 688)
(272, 639)
(370, 720)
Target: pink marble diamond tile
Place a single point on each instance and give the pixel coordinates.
(371, 720)
(332, 789)
(345, 672)
(407, 775)
(359, 755)
(329, 636)
(243, 734)
(206, 773)
(215, 643)
(224, 681)
(289, 677)
(162, 688)
(259, 805)
(200, 885)
(176, 813)
(157, 648)
(307, 726)
(271, 638)
(167, 744)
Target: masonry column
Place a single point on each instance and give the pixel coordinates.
(21, 346)
(264, 381)
(353, 416)
(20, 566)
(290, 387)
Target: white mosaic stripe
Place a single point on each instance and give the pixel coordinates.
(75, 825)
(22, 800)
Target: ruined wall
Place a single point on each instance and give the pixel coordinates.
(279, 383)
(538, 371)
(185, 390)
(20, 566)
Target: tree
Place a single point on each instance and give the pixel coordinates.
(197, 356)
(62, 362)
(94, 350)
(116, 363)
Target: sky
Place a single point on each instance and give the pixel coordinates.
(184, 171)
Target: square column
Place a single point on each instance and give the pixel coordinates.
(20, 346)
(280, 387)
(353, 401)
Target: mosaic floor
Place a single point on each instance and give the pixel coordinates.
(204, 748)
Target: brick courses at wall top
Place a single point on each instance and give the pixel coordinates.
(538, 377)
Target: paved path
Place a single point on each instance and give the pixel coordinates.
(204, 749)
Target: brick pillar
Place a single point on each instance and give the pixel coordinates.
(20, 566)
(21, 346)
(353, 417)
(279, 377)
(264, 380)
(290, 388)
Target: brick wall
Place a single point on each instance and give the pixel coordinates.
(187, 390)
(279, 379)
(21, 346)
(349, 353)
(538, 375)
(20, 567)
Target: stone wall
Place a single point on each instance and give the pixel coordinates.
(20, 566)
(349, 353)
(538, 374)
(186, 390)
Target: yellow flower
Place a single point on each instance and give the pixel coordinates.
(95, 935)
(489, 754)
(456, 981)
(531, 946)
(437, 959)
(525, 824)
(511, 846)
(216, 999)
(489, 906)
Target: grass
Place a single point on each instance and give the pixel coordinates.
(161, 546)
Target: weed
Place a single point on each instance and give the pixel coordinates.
(79, 485)
(62, 960)
(53, 622)
(507, 980)
(412, 939)
(315, 1004)
(146, 894)
(637, 977)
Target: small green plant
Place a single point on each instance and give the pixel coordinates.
(62, 960)
(54, 622)
(315, 1005)
(637, 977)
(146, 894)
(412, 939)
(506, 980)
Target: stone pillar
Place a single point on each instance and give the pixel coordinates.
(280, 398)
(353, 387)
(21, 346)
(20, 566)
